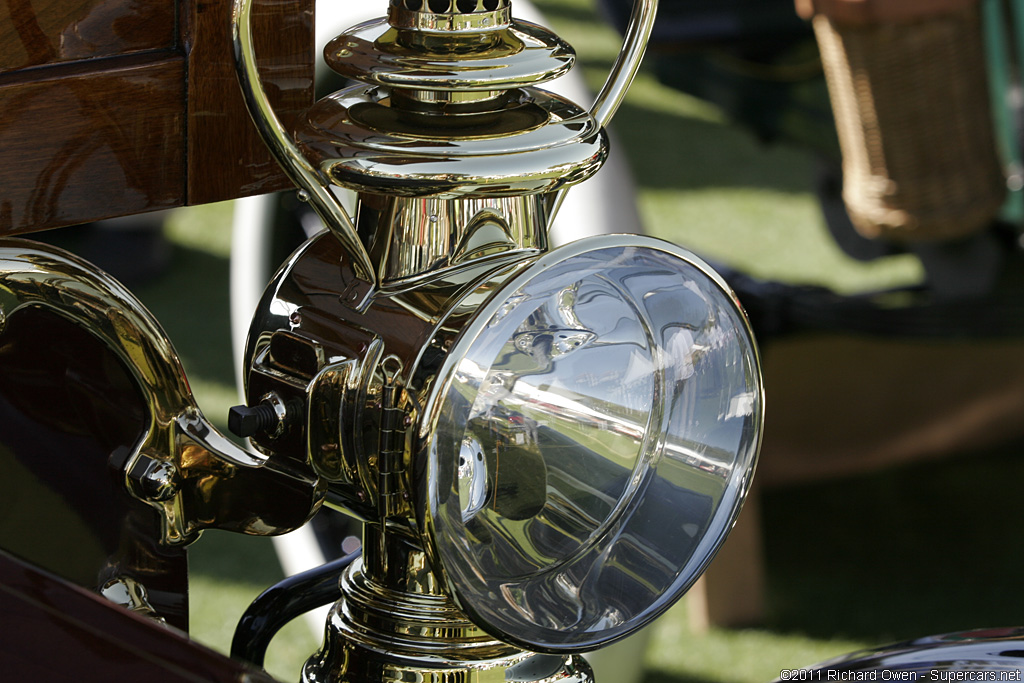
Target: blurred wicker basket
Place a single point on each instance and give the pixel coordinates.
(911, 103)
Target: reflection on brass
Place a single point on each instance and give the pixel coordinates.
(496, 58)
(450, 114)
(395, 622)
(411, 238)
(130, 594)
(476, 18)
(407, 162)
(180, 465)
(514, 118)
(325, 428)
(158, 480)
(280, 413)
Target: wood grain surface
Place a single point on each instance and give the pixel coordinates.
(117, 107)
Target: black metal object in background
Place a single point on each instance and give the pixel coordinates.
(691, 23)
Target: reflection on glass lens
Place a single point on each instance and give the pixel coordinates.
(599, 418)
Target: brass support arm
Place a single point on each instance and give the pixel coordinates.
(180, 464)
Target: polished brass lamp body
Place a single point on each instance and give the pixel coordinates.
(512, 424)
(355, 380)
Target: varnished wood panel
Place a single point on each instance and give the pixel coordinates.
(146, 127)
(55, 631)
(80, 145)
(34, 32)
(226, 157)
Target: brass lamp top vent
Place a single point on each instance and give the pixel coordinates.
(449, 51)
(449, 110)
(449, 15)
(450, 106)
(451, 6)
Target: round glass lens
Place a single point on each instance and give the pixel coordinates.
(597, 429)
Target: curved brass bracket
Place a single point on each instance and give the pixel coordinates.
(181, 465)
(314, 185)
(634, 44)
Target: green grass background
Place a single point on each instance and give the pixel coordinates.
(850, 563)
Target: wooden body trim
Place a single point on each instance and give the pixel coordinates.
(136, 115)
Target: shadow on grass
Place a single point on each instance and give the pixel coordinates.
(674, 150)
(557, 12)
(868, 561)
(671, 151)
(234, 557)
(663, 677)
(191, 299)
(929, 548)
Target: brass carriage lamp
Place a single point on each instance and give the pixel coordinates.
(547, 447)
